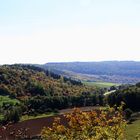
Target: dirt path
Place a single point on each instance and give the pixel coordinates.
(33, 127)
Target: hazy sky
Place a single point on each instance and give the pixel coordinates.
(40, 31)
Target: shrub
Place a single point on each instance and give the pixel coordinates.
(12, 115)
(128, 112)
(93, 125)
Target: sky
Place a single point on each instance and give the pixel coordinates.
(41, 31)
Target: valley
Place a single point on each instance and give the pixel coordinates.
(120, 72)
(32, 96)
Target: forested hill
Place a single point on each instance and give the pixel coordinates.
(129, 94)
(23, 81)
(30, 90)
(127, 70)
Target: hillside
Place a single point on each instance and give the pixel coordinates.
(30, 90)
(129, 94)
(106, 71)
(27, 81)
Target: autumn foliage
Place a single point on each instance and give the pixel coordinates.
(93, 125)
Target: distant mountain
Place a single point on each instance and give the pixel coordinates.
(108, 71)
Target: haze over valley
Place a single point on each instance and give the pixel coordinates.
(125, 72)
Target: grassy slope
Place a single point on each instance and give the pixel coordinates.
(7, 100)
(100, 84)
(133, 129)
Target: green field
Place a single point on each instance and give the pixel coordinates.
(132, 130)
(101, 84)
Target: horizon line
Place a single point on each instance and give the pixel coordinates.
(70, 62)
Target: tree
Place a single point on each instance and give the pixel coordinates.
(138, 84)
(128, 112)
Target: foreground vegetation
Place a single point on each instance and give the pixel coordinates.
(93, 125)
(81, 127)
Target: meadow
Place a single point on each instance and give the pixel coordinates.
(101, 84)
(133, 129)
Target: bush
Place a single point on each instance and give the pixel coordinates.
(12, 115)
(128, 112)
(92, 125)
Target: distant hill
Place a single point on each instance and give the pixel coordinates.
(108, 71)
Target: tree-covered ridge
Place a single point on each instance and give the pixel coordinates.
(129, 94)
(35, 90)
(127, 72)
(27, 81)
(122, 68)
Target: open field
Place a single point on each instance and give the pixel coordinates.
(133, 129)
(101, 84)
